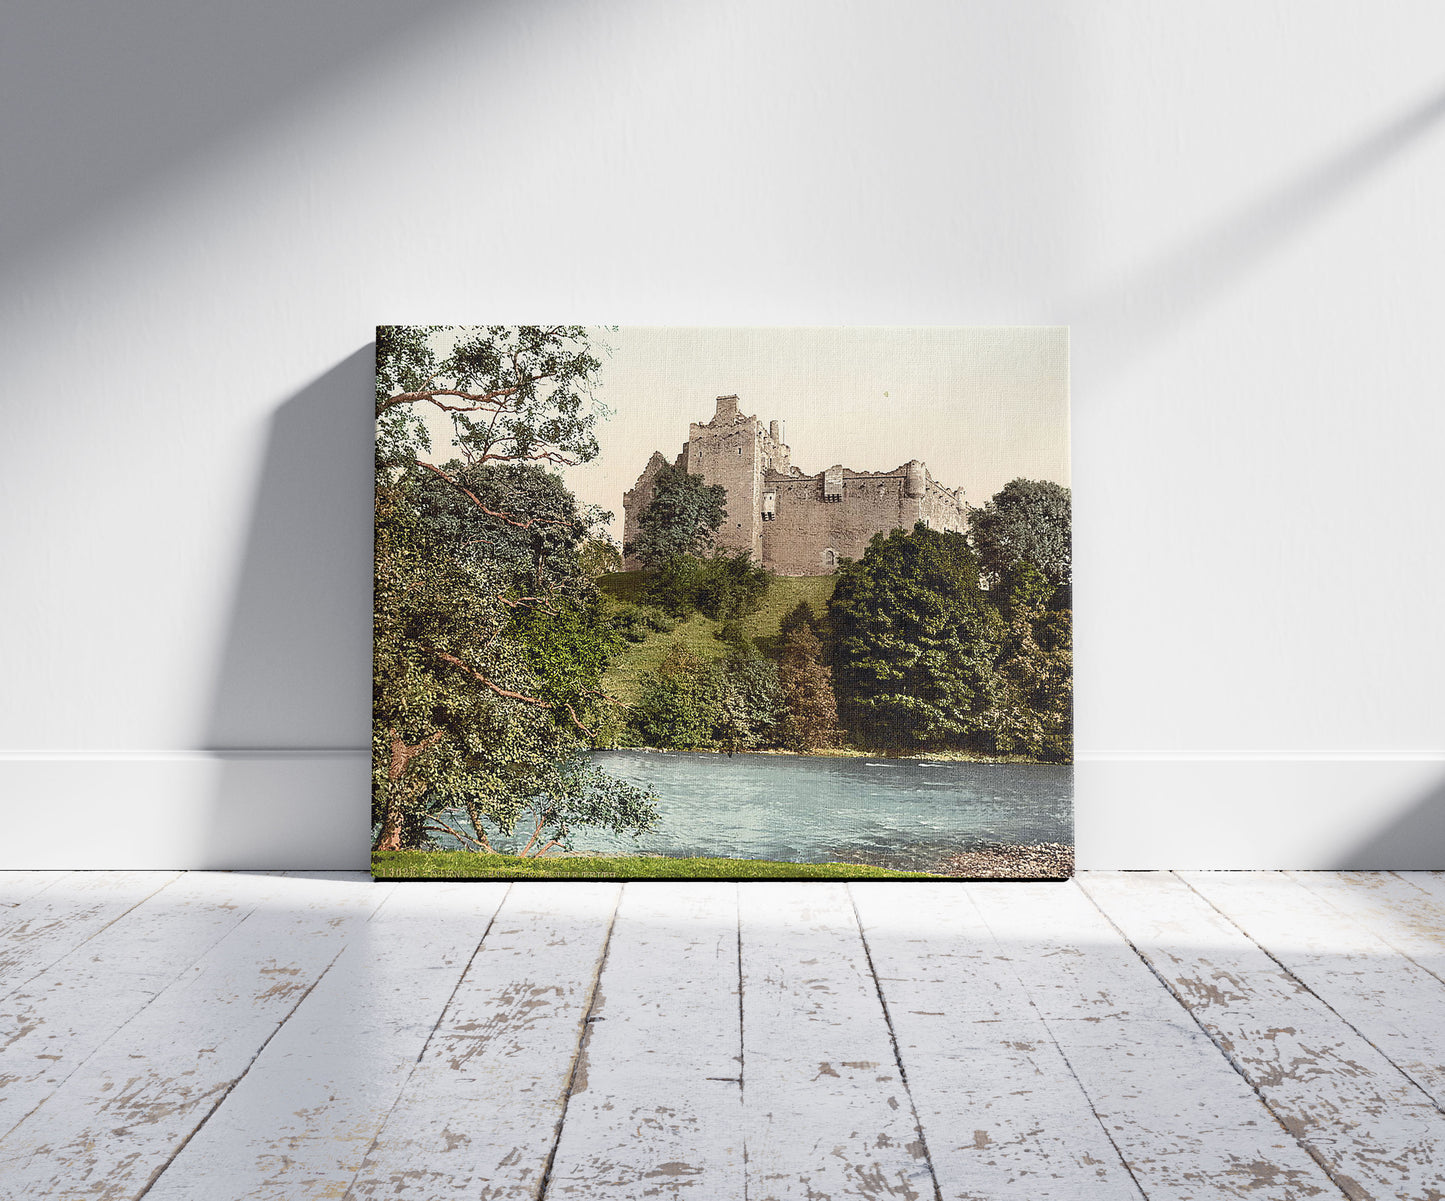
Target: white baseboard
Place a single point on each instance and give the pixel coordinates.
(185, 809)
(309, 809)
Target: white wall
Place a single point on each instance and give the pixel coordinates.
(1236, 206)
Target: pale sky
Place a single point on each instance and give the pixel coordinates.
(980, 405)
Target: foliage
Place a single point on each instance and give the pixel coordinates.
(681, 519)
(809, 707)
(464, 865)
(447, 727)
(1033, 714)
(575, 794)
(1026, 522)
(599, 555)
(722, 586)
(679, 704)
(519, 517)
(513, 392)
(748, 701)
(914, 642)
(481, 695)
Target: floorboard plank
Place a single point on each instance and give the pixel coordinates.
(1187, 1125)
(50, 1025)
(47, 925)
(480, 1114)
(1402, 908)
(15, 887)
(1392, 1002)
(1001, 1113)
(299, 1124)
(656, 1107)
(1375, 1131)
(124, 1114)
(826, 1111)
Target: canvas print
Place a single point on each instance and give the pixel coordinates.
(722, 603)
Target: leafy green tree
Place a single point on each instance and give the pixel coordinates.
(575, 795)
(748, 701)
(682, 518)
(1026, 522)
(679, 704)
(731, 585)
(479, 702)
(725, 585)
(1033, 713)
(809, 707)
(519, 517)
(914, 642)
(454, 722)
(599, 555)
(513, 392)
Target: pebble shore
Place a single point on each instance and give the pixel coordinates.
(1039, 861)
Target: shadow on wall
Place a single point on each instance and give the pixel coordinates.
(118, 97)
(1149, 304)
(289, 722)
(1415, 841)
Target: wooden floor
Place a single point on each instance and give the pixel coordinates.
(1159, 1035)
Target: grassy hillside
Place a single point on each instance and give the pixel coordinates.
(697, 632)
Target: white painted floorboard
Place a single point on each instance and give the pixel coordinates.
(1265, 1035)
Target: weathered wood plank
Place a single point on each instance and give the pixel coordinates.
(123, 1114)
(1186, 1124)
(480, 1114)
(1392, 1002)
(299, 1123)
(826, 1111)
(17, 886)
(1002, 1115)
(54, 1022)
(655, 1110)
(1403, 908)
(1375, 1131)
(49, 924)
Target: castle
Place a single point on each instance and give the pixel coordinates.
(794, 524)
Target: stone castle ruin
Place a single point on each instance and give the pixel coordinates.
(793, 523)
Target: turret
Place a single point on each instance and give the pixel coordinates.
(775, 431)
(915, 478)
(727, 408)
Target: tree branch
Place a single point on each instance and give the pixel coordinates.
(507, 517)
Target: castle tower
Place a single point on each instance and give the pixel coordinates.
(728, 450)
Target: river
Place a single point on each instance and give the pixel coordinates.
(897, 813)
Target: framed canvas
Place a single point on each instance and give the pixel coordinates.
(738, 603)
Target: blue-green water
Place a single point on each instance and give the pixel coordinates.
(899, 813)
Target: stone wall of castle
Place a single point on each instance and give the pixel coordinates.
(793, 523)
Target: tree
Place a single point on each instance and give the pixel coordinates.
(1026, 522)
(682, 518)
(453, 720)
(599, 556)
(748, 700)
(476, 697)
(678, 705)
(513, 392)
(575, 795)
(518, 516)
(810, 708)
(914, 642)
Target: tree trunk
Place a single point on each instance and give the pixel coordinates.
(391, 826)
(394, 820)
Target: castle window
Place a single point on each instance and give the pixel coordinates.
(830, 558)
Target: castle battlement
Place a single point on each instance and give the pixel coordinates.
(793, 523)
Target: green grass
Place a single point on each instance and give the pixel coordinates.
(697, 632)
(466, 865)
